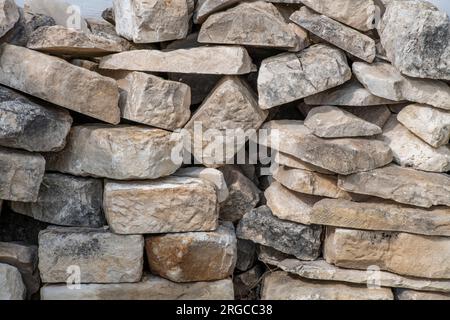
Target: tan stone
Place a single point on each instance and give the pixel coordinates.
(284, 159)
(402, 294)
(9, 15)
(204, 8)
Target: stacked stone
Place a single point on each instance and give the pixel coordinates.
(354, 112)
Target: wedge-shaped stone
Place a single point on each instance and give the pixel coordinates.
(430, 124)
(204, 8)
(384, 80)
(151, 21)
(121, 152)
(193, 256)
(411, 151)
(150, 288)
(401, 253)
(102, 256)
(252, 24)
(288, 77)
(9, 15)
(11, 284)
(382, 215)
(404, 294)
(284, 159)
(343, 156)
(27, 125)
(21, 174)
(289, 205)
(59, 82)
(416, 37)
(403, 185)
(280, 285)
(333, 122)
(67, 201)
(171, 204)
(260, 226)
(155, 101)
(203, 60)
(378, 115)
(346, 38)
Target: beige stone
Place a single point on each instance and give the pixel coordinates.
(204, 8)
(284, 159)
(404, 294)
(9, 15)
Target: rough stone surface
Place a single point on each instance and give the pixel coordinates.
(106, 30)
(193, 256)
(284, 159)
(11, 284)
(204, 8)
(401, 253)
(246, 254)
(227, 60)
(247, 284)
(288, 77)
(59, 82)
(260, 226)
(121, 152)
(67, 201)
(9, 15)
(404, 294)
(103, 257)
(171, 204)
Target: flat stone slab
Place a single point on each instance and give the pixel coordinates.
(405, 294)
(11, 284)
(284, 159)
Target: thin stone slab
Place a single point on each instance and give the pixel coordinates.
(106, 30)
(11, 284)
(117, 152)
(102, 256)
(59, 82)
(404, 294)
(346, 38)
(171, 204)
(9, 15)
(227, 61)
(288, 77)
(284, 159)
(205, 8)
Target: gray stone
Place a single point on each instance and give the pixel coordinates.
(246, 254)
(108, 15)
(204, 8)
(284, 159)
(405, 294)
(378, 115)
(247, 284)
(86, 64)
(9, 15)
(107, 31)
(11, 284)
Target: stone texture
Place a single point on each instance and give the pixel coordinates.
(11, 284)
(171, 204)
(103, 257)
(246, 254)
(108, 15)
(204, 8)
(404, 294)
(403, 185)
(151, 21)
(284, 159)
(415, 35)
(227, 60)
(107, 31)
(150, 288)
(288, 77)
(67, 201)
(193, 256)
(30, 126)
(260, 226)
(21, 174)
(401, 253)
(59, 82)
(247, 284)
(252, 24)
(384, 80)
(343, 156)
(280, 285)
(346, 38)
(411, 151)
(430, 124)
(122, 152)
(9, 15)
(333, 122)
(154, 101)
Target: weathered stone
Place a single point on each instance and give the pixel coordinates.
(384, 80)
(280, 285)
(67, 201)
(86, 64)
(430, 124)
(378, 115)
(411, 151)
(11, 284)
(416, 37)
(260, 226)
(243, 195)
(227, 60)
(201, 84)
(284, 159)
(246, 254)
(214, 176)
(408, 186)
(21, 174)
(121, 152)
(289, 205)
(252, 24)
(107, 31)
(402, 294)
(288, 77)
(171, 204)
(343, 156)
(151, 21)
(333, 122)
(59, 82)
(246, 285)
(204, 8)
(102, 256)
(9, 15)
(346, 38)
(150, 288)
(27, 125)
(193, 256)
(108, 15)
(401, 253)
(154, 101)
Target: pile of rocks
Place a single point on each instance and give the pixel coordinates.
(100, 197)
